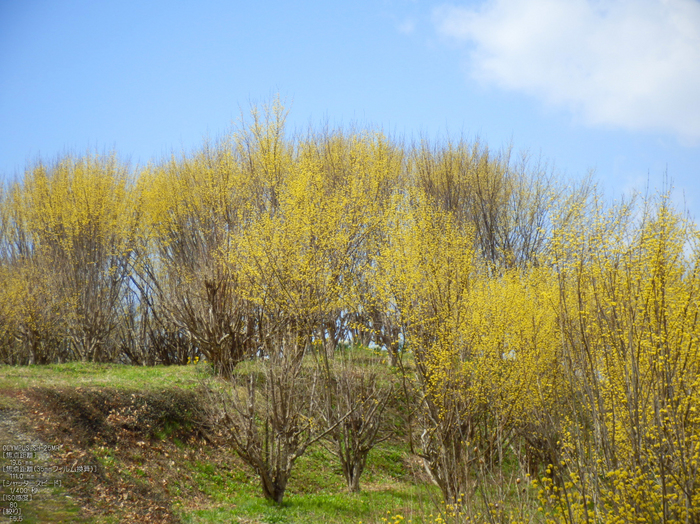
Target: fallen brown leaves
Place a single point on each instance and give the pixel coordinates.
(136, 483)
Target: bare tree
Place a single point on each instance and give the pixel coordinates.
(355, 400)
(267, 411)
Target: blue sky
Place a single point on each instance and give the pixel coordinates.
(612, 86)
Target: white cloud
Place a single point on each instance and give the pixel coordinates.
(633, 64)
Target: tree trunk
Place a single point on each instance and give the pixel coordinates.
(353, 472)
(273, 489)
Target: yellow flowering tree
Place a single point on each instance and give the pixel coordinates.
(74, 222)
(299, 265)
(629, 441)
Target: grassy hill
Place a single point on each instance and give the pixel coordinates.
(155, 461)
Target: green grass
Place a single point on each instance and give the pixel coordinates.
(76, 374)
(316, 493)
(339, 508)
